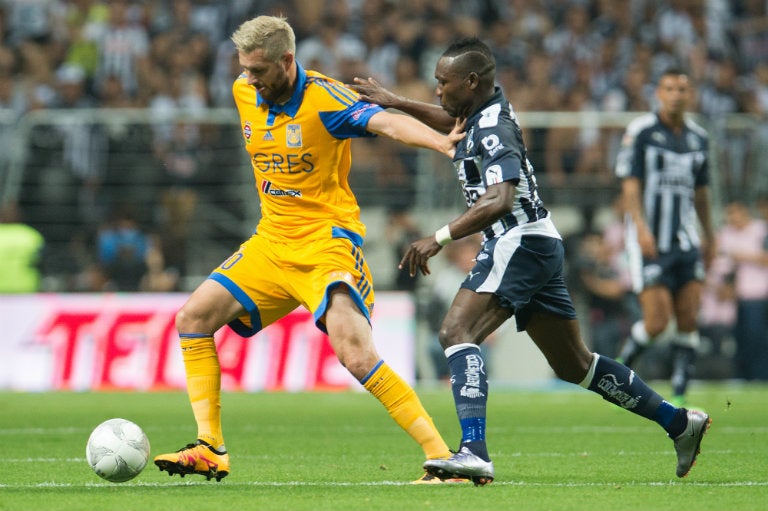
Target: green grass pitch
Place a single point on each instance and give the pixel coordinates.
(561, 449)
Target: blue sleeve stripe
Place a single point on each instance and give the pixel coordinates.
(340, 94)
(340, 89)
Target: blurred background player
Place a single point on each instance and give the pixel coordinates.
(663, 167)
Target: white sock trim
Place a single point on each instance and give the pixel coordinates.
(640, 334)
(688, 339)
(591, 372)
(458, 347)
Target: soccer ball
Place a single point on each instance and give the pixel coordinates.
(117, 450)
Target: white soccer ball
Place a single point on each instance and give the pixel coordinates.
(117, 450)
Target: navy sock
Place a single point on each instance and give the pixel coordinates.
(469, 383)
(620, 385)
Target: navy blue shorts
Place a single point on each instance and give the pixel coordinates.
(526, 273)
(671, 269)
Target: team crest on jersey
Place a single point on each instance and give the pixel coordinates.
(293, 135)
(247, 132)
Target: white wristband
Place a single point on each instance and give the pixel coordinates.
(443, 236)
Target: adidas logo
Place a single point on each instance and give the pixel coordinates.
(268, 136)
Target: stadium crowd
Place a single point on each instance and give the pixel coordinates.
(552, 55)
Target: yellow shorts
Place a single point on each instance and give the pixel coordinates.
(270, 279)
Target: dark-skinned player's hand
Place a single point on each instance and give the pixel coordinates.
(417, 255)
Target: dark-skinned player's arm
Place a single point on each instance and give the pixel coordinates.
(494, 204)
(430, 114)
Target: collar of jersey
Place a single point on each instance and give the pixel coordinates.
(290, 107)
(497, 94)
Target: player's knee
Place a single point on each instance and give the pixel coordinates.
(358, 364)
(187, 322)
(570, 372)
(656, 327)
(572, 369)
(451, 336)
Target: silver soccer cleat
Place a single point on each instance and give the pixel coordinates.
(463, 464)
(688, 443)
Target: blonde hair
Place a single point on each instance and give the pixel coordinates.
(269, 33)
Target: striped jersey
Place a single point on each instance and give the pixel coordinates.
(493, 152)
(670, 167)
(300, 153)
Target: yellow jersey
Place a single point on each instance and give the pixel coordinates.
(300, 152)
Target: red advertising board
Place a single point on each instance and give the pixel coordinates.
(128, 341)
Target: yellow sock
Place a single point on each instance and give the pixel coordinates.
(204, 387)
(404, 406)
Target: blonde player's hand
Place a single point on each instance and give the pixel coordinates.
(456, 135)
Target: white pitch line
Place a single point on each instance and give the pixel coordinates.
(327, 484)
(500, 454)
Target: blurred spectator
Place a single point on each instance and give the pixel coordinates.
(329, 45)
(401, 230)
(573, 152)
(158, 278)
(529, 19)
(720, 96)
(185, 161)
(744, 240)
(36, 22)
(85, 19)
(675, 28)
(757, 106)
(537, 92)
(438, 36)
(381, 52)
(13, 95)
(607, 296)
(122, 249)
(510, 50)
(226, 67)
(633, 94)
(123, 44)
(84, 146)
(571, 43)
(717, 317)
(749, 32)
(20, 249)
(113, 95)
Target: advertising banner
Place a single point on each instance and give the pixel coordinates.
(129, 342)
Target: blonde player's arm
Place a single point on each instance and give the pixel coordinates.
(410, 131)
